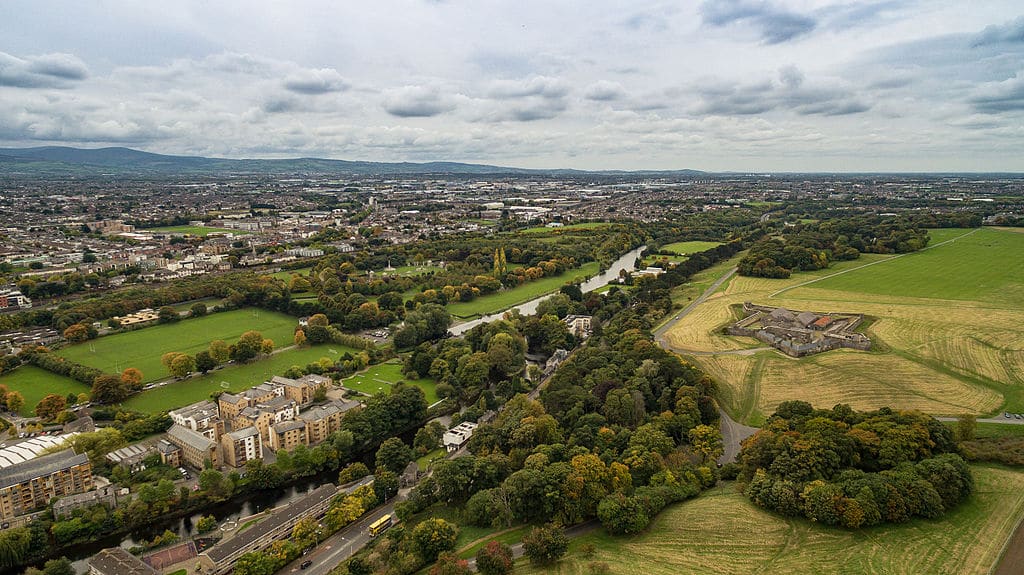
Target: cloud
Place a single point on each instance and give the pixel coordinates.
(791, 94)
(316, 82)
(1009, 33)
(775, 25)
(416, 102)
(604, 91)
(542, 86)
(45, 71)
(999, 97)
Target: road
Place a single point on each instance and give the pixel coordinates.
(1002, 420)
(733, 434)
(658, 333)
(344, 544)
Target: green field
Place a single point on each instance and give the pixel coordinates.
(946, 323)
(721, 532)
(976, 266)
(583, 226)
(689, 248)
(502, 300)
(35, 383)
(142, 348)
(378, 379)
(201, 231)
(239, 377)
(211, 302)
(287, 274)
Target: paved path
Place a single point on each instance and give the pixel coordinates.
(733, 434)
(660, 332)
(570, 532)
(1003, 420)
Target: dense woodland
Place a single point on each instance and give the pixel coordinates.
(853, 469)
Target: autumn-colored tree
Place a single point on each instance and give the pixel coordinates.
(220, 350)
(495, 558)
(76, 333)
(132, 378)
(267, 346)
(545, 545)
(15, 401)
(300, 338)
(108, 389)
(318, 319)
(50, 406)
(168, 358)
(706, 441)
(449, 563)
(433, 537)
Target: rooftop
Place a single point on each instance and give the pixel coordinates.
(40, 467)
(117, 561)
(190, 438)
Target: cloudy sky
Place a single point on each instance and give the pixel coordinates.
(766, 85)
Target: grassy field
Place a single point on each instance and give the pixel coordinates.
(584, 226)
(503, 300)
(689, 248)
(142, 348)
(202, 231)
(211, 302)
(721, 532)
(379, 378)
(287, 274)
(239, 377)
(959, 350)
(34, 384)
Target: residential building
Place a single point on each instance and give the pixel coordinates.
(107, 495)
(300, 390)
(579, 325)
(170, 454)
(196, 448)
(232, 404)
(202, 417)
(30, 485)
(456, 437)
(287, 435)
(11, 298)
(322, 421)
(118, 561)
(242, 446)
(265, 414)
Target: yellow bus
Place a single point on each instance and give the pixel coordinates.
(380, 525)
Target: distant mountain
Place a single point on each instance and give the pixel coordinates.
(60, 160)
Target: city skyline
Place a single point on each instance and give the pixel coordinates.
(738, 85)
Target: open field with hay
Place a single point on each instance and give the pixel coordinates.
(142, 348)
(958, 350)
(721, 532)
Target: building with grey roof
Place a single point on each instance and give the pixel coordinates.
(117, 561)
(30, 485)
(196, 448)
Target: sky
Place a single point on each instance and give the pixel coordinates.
(723, 85)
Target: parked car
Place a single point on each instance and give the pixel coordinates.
(306, 564)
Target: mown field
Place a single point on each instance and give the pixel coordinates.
(689, 248)
(34, 384)
(502, 300)
(721, 532)
(201, 231)
(238, 377)
(570, 227)
(960, 349)
(379, 379)
(143, 348)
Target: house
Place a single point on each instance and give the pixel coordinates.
(806, 319)
(410, 475)
(324, 420)
(456, 437)
(265, 414)
(108, 496)
(579, 325)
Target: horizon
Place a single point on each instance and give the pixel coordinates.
(775, 86)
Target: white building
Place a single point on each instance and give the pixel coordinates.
(456, 437)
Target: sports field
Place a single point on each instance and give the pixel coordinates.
(379, 378)
(35, 383)
(721, 532)
(143, 348)
(583, 226)
(502, 300)
(947, 322)
(238, 377)
(689, 248)
(201, 231)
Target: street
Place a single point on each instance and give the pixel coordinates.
(339, 547)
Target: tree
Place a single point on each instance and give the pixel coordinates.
(220, 350)
(300, 338)
(318, 319)
(15, 401)
(247, 347)
(182, 365)
(966, 425)
(76, 333)
(707, 442)
(352, 472)
(433, 537)
(393, 455)
(50, 406)
(132, 378)
(267, 346)
(545, 545)
(168, 314)
(214, 484)
(205, 361)
(306, 532)
(385, 484)
(198, 309)
(495, 558)
(449, 563)
(206, 524)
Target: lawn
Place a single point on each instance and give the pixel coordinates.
(202, 231)
(502, 300)
(689, 248)
(508, 537)
(142, 348)
(424, 462)
(211, 302)
(378, 379)
(287, 274)
(583, 226)
(239, 377)
(721, 532)
(35, 383)
(959, 351)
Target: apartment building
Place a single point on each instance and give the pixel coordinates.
(202, 417)
(265, 414)
(241, 446)
(232, 404)
(196, 448)
(324, 420)
(27, 486)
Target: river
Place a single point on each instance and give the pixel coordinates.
(626, 261)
